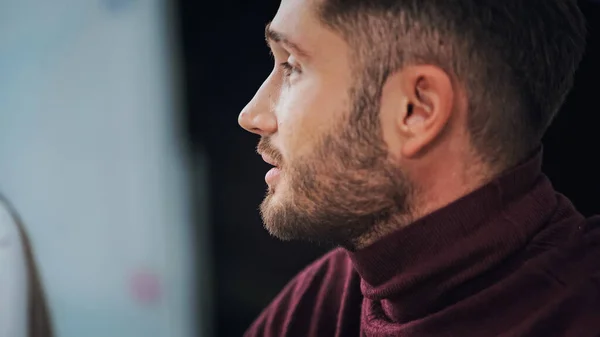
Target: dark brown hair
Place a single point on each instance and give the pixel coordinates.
(515, 58)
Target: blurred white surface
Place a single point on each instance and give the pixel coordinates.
(90, 157)
(13, 278)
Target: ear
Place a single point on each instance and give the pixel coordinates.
(426, 97)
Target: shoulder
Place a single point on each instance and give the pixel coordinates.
(582, 253)
(329, 271)
(568, 253)
(316, 293)
(591, 247)
(568, 283)
(572, 300)
(592, 231)
(334, 264)
(13, 278)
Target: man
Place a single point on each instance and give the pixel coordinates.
(408, 133)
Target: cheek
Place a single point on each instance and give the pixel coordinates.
(305, 113)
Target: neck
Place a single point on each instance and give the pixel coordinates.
(440, 184)
(447, 256)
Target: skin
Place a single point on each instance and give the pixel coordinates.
(354, 167)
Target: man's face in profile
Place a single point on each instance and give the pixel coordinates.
(319, 124)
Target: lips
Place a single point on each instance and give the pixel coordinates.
(269, 160)
(273, 175)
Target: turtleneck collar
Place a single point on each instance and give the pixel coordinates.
(409, 270)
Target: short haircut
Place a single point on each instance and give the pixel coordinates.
(515, 58)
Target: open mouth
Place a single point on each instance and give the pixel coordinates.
(269, 160)
(273, 175)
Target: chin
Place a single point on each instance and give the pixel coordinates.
(272, 211)
(274, 200)
(275, 189)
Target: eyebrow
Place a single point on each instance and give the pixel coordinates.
(273, 36)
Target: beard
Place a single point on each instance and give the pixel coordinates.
(348, 192)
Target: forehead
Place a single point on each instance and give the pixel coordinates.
(298, 20)
(294, 14)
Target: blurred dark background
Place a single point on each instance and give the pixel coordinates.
(225, 61)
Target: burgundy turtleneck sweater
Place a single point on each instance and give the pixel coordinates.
(513, 258)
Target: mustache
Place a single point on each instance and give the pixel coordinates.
(266, 147)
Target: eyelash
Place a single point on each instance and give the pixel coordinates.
(288, 69)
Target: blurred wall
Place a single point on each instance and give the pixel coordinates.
(90, 155)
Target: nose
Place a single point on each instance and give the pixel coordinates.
(258, 116)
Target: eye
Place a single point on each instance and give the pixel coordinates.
(289, 68)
